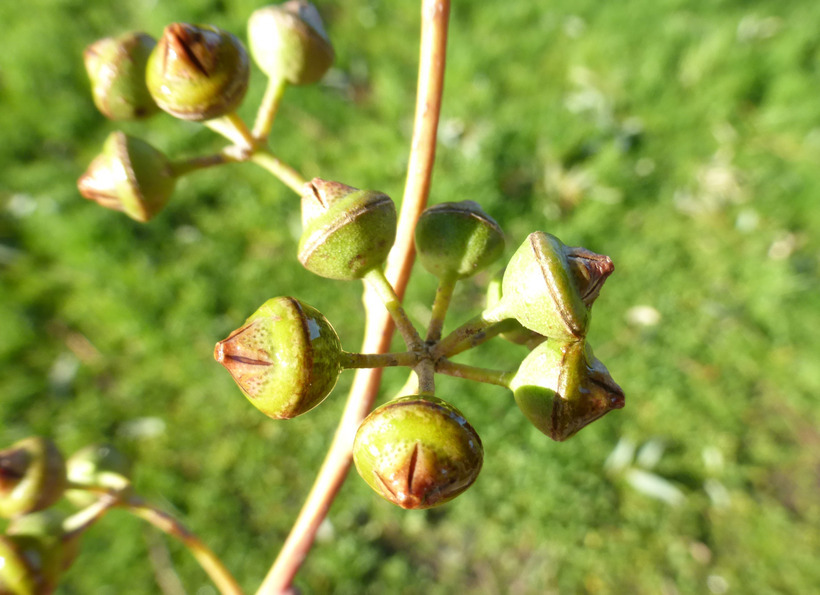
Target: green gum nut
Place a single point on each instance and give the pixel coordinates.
(417, 451)
(561, 387)
(31, 564)
(47, 526)
(130, 176)
(519, 335)
(99, 467)
(285, 358)
(198, 72)
(289, 41)
(116, 69)
(455, 240)
(545, 292)
(347, 232)
(32, 476)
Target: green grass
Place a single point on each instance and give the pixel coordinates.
(680, 138)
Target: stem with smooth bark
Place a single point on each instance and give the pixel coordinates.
(378, 326)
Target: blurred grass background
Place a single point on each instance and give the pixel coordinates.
(680, 137)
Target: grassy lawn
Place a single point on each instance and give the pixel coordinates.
(681, 138)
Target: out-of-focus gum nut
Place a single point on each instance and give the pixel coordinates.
(519, 335)
(31, 565)
(47, 525)
(97, 466)
(417, 451)
(285, 358)
(32, 476)
(347, 232)
(198, 72)
(562, 387)
(455, 240)
(543, 291)
(130, 176)
(289, 41)
(116, 69)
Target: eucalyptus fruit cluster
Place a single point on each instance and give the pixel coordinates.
(197, 73)
(418, 450)
(40, 541)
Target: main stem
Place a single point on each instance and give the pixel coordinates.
(378, 328)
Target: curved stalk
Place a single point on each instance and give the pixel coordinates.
(378, 326)
(498, 377)
(289, 176)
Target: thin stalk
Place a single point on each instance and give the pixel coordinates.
(181, 168)
(378, 325)
(209, 561)
(80, 521)
(444, 293)
(378, 360)
(232, 127)
(499, 377)
(286, 174)
(426, 374)
(472, 333)
(378, 282)
(268, 108)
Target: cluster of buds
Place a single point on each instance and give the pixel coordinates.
(37, 547)
(418, 450)
(193, 72)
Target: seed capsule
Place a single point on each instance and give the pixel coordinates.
(455, 240)
(347, 231)
(285, 358)
(549, 287)
(47, 526)
(417, 451)
(32, 476)
(29, 564)
(116, 68)
(198, 72)
(562, 387)
(519, 335)
(289, 41)
(130, 176)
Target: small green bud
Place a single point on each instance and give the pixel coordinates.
(289, 41)
(98, 466)
(417, 451)
(30, 564)
(130, 176)
(347, 232)
(32, 476)
(456, 240)
(116, 68)
(198, 72)
(549, 294)
(47, 525)
(562, 387)
(285, 358)
(519, 335)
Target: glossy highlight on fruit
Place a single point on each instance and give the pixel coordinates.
(198, 72)
(285, 358)
(455, 240)
(562, 387)
(417, 451)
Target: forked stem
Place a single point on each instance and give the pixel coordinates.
(378, 326)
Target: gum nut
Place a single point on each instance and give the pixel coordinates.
(289, 41)
(455, 240)
(31, 565)
(198, 72)
(116, 69)
(519, 335)
(347, 232)
(540, 292)
(32, 476)
(562, 387)
(98, 466)
(285, 358)
(417, 451)
(47, 525)
(130, 176)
